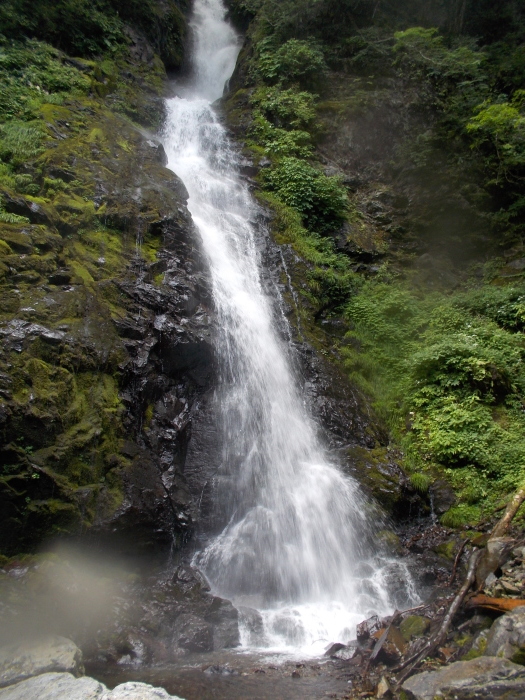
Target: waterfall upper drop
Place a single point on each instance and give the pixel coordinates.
(292, 526)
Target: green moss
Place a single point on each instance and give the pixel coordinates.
(413, 626)
(447, 549)
(4, 248)
(421, 482)
(148, 415)
(81, 273)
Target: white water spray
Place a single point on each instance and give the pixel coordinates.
(293, 539)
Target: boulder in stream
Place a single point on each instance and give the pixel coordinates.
(484, 678)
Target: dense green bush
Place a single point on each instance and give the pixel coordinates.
(448, 375)
(295, 61)
(86, 28)
(286, 108)
(321, 200)
(31, 73)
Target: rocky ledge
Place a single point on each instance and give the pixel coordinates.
(51, 669)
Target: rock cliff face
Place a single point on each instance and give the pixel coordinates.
(106, 337)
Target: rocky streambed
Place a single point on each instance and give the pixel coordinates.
(167, 630)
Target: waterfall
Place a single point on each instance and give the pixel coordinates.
(292, 539)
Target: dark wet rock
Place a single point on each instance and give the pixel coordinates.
(368, 628)
(390, 646)
(484, 678)
(442, 496)
(192, 633)
(333, 648)
(252, 622)
(381, 476)
(138, 339)
(221, 671)
(506, 638)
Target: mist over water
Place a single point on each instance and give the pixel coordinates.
(293, 538)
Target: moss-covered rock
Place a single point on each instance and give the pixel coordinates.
(413, 626)
(98, 314)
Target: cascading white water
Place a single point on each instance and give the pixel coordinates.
(293, 539)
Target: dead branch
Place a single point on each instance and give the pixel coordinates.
(456, 561)
(512, 508)
(501, 605)
(441, 634)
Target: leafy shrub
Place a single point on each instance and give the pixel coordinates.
(322, 201)
(295, 61)
(76, 26)
(285, 108)
(423, 51)
(20, 141)
(499, 130)
(280, 142)
(85, 28)
(449, 377)
(32, 73)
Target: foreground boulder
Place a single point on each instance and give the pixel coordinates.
(64, 686)
(35, 671)
(484, 678)
(506, 638)
(54, 686)
(18, 662)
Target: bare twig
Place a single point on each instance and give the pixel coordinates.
(456, 561)
(512, 508)
(441, 634)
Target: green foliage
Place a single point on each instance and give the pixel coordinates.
(499, 129)
(280, 120)
(423, 50)
(321, 200)
(285, 108)
(77, 26)
(7, 218)
(449, 376)
(295, 61)
(302, 19)
(32, 73)
(20, 141)
(280, 142)
(330, 279)
(85, 28)
(421, 482)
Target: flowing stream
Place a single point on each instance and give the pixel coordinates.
(292, 533)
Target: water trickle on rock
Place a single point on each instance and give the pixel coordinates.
(293, 544)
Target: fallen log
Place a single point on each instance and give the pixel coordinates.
(503, 524)
(501, 605)
(437, 639)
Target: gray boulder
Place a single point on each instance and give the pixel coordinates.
(506, 638)
(484, 678)
(21, 661)
(64, 686)
(54, 686)
(138, 691)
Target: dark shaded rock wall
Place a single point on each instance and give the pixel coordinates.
(106, 339)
